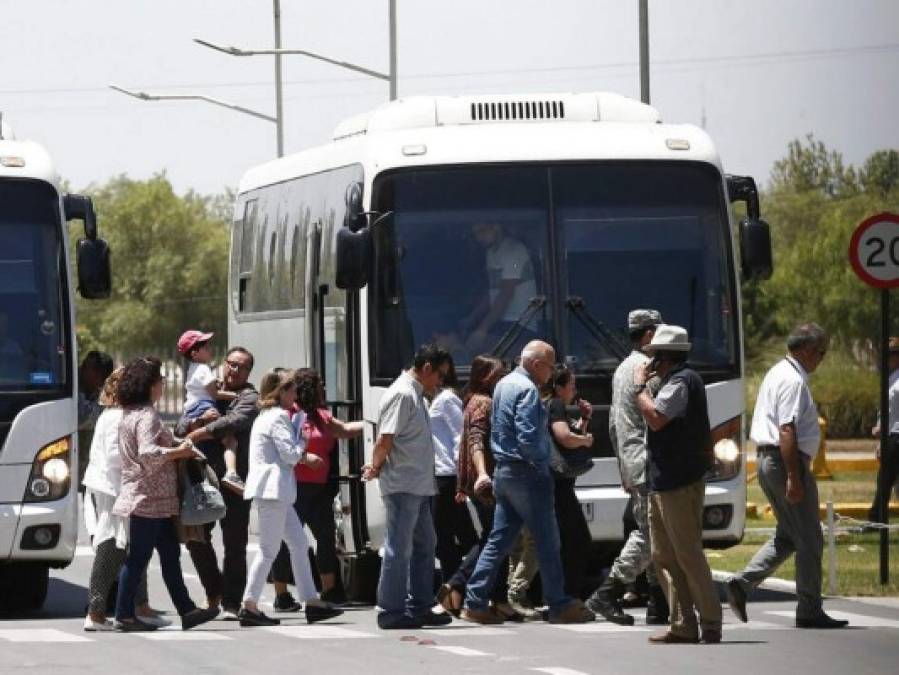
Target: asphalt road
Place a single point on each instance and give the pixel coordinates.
(53, 641)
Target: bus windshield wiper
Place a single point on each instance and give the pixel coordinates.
(506, 341)
(596, 328)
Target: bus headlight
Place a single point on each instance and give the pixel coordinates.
(50, 475)
(727, 450)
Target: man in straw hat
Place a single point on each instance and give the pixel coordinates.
(678, 442)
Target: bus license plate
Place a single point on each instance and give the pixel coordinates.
(588, 512)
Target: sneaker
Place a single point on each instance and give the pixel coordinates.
(154, 620)
(92, 626)
(230, 614)
(234, 483)
(249, 618)
(198, 616)
(285, 602)
(574, 612)
(133, 626)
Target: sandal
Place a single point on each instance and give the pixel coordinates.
(450, 599)
(509, 613)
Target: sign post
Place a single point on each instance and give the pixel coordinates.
(874, 254)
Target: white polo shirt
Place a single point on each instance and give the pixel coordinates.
(785, 397)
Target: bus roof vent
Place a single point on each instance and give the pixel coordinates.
(485, 111)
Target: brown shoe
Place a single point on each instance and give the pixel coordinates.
(711, 636)
(486, 617)
(669, 638)
(574, 612)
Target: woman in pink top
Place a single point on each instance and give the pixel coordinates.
(315, 487)
(149, 495)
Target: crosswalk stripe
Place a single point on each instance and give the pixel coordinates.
(454, 630)
(176, 634)
(40, 635)
(318, 632)
(552, 670)
(858, 620)
(600, 627)
(460, 651)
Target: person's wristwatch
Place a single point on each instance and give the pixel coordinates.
(641, 387)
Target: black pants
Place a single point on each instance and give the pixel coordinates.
(315, 508)
(452, 521)
(229, 582)
(574, 535)
(460, 578)
(892, 474)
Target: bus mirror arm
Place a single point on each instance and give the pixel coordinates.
(755, 235)
(79, 207)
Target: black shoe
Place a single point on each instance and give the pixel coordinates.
(821, 621)
(435, 619)
(398, 622)
(736, 598)
(656, 607)
(285, 602)
(133, 626)
(333, 595)
(197, 616)
(316, 613)
(604, 602)
(249, 618)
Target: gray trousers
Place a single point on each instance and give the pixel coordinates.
(636, 554)
(108, 561)
(798, 531)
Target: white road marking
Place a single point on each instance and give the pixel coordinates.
(468, 631)
(40, 635)
(552, 670)
(460, 651)
(601, 627)
(184, 635)
(859, 620)
(318, 632)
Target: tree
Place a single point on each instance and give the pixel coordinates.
(169, 266)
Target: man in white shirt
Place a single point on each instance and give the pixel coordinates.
(511, 286)
(786, 433)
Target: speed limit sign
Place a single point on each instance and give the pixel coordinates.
(874, 251)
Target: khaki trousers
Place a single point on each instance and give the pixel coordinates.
(675, 526)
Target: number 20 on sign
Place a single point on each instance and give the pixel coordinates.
(874, 251)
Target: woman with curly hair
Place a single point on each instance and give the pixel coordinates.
(149, 495)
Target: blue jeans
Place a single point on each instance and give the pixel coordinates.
(406, 585)
(524, 496)
(145, 534)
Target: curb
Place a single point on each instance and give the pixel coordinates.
(835, 465)
(857, 510)
(775, 584)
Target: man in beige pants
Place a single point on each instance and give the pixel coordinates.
(679, 453)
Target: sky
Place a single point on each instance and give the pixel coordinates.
(756, 74)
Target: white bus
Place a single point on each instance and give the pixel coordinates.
(38, 367)
(347, 256)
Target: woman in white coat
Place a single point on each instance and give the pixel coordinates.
(275, 448)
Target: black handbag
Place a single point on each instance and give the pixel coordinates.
(569, 463)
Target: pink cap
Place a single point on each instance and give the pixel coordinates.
(190, 338)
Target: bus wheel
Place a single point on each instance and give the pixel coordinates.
(23, 586)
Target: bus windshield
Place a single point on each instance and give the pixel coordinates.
(33, 342)
(483, 259)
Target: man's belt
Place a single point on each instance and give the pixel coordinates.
(767, 448)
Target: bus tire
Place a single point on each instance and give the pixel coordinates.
(23, 586)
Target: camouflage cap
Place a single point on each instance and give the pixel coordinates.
(643, 318)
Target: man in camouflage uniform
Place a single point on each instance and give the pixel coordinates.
(627, 430)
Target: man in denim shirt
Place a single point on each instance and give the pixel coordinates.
(523, 488)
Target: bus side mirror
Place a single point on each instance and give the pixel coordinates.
(94, 274)
(755, 249)
(79, 207)
(354, 251)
